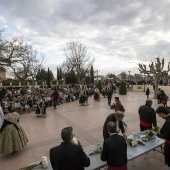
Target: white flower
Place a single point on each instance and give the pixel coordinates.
(133, 143)
(75, 141)
(44, 162)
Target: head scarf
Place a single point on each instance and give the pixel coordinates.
(12, 117)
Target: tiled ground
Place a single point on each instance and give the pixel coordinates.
(87, 121)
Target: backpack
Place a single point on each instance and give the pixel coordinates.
(122, 109)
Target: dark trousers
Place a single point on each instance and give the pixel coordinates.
(109, 100)
(167, 154)
(54, 103)
(159, 99)
(142, 128)
(105, 135)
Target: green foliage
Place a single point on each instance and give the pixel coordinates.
(54, 82)
(88, 80)
(48, 79)
(60, 81)
(71, 78)
(140, 82)
(122, 88)
(99, 86)
(42, 74)
(40, 82)
(7, 82)
(59, 73)
(92, 75)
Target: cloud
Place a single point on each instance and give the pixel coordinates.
(118, 34)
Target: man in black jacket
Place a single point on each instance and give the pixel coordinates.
(68, 156)
(165, 132)
(114, 149)
(147, 116)
(117, 118)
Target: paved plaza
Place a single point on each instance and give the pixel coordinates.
(87, 122)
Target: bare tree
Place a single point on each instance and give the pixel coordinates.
(37, 60)
(11, 51)
(155, 69)
(28, 66)
(77, 59)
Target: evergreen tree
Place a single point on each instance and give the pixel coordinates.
(48, 78)
(58, 74)
(92, 74)
(122, 88)
(42, 74)
(71, 78)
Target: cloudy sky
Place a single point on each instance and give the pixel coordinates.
(118, 33)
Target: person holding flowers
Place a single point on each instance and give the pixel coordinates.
(68, 155)
(165, 132)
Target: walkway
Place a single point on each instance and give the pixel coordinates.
(87, 121)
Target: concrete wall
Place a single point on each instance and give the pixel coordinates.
(142, 88)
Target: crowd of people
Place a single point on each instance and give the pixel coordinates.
(68, 155)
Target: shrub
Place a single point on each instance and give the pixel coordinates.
(122, 88)
(60, 81)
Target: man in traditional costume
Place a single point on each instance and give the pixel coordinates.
(147, 116)
(165, 132)
(114, 149)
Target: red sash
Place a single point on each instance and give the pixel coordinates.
(167, 141)
(118, 168)
(145, 124)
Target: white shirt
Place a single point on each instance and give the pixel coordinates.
(113, 134)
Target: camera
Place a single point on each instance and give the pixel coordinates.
(112, 106)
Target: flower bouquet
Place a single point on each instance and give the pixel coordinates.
(155, 128)
(44, 164)
(76, 141)
(98, 149)
(149, 134)
(132, 142)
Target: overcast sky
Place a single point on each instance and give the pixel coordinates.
(118, 33)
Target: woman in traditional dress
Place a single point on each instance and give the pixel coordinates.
(83, 97)
(97, 95)
(12, 135)
(41, 108)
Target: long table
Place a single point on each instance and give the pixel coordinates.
(132, 153)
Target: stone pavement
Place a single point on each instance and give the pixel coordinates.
(87, 122)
